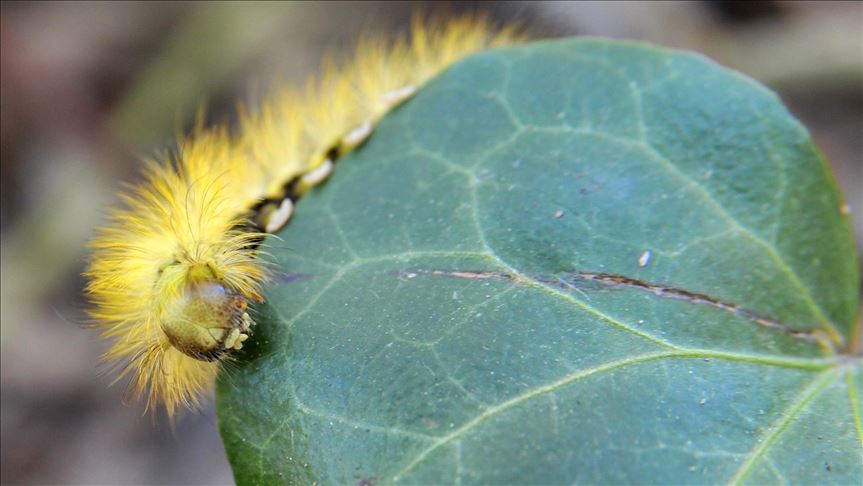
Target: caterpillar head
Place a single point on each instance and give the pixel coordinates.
(202, 307)
(205, 320)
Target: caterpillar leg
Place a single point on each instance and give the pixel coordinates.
(234, 340)
(247, 322)
(319, 174)
(351, 140)
(273, 218)
(399, 96)
(357, 136)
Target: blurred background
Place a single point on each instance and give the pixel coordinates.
(89, 88)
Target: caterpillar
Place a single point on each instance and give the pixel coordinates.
(172, 273)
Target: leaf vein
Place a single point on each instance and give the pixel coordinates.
(812, 390)
(528, 395)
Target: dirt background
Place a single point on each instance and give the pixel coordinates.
(87, 88)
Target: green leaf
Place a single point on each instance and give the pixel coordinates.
(572, 261)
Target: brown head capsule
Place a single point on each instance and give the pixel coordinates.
(206, 320)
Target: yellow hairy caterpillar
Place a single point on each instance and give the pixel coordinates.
(173, 273)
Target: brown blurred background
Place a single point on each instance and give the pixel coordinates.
(87, 88)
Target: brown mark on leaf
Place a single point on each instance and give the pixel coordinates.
(567, 282)
(667, 292)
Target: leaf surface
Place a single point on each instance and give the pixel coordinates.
(571, 261)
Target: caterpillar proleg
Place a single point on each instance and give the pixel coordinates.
(172, 274)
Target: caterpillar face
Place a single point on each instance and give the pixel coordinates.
(206, 320)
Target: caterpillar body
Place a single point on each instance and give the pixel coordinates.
(173, 272)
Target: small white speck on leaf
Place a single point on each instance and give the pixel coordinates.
(411, 275)
(644, 259)
(558, 214)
